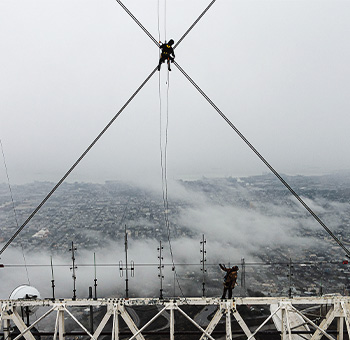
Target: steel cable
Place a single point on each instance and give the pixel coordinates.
(264, 160)
(77, 162)
(191, 27)
(138, 22)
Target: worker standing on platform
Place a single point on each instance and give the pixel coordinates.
(230, 280)
(166, 54)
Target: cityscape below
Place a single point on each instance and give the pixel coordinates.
(95, 216)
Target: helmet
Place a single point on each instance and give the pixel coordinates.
(171, 42)
(235, 268)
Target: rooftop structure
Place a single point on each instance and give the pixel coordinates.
(335, 307)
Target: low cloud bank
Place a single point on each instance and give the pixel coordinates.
(235, 223)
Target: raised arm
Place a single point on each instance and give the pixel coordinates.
(223, 267)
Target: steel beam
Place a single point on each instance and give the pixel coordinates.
(172, 323)
(130, 323)
(102, 324)
(80, 324)
(7, 325)
(228, 324)
(195, 323)
(318, 328)
(242, 324)
(21, 325)
(340, 309)
(213, 323)
(346, 310)
(340, 328)
(61, 329)
(115, 328)
(147, 324)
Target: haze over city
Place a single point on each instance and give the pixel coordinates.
(278, 69)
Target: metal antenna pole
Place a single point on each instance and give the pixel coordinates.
(121, 268)
(243, 274)
(95, 280)
(203, 260)
(290, 277)
(126, 266)
(73, 268)
(160, 268)
(173, 269)
(52, 281)
(91, 313)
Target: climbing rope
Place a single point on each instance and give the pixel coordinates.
(164, 151)
(77, 162)
(264, 160)
(165, 190)
(240, 134)
(150, 35)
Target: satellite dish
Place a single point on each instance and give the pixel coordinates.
(26, 292)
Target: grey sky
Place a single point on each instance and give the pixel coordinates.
(278, 69)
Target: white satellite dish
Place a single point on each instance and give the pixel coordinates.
(26, 292)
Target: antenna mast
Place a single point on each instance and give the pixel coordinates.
(160, 268)
(95, 280)
(290, 274)
(121, 269)
(73, 268)
(203, 261)
(243, 274)
(126, 265)
(52, 281)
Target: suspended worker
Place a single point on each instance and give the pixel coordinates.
(166, 54)
(230, 280)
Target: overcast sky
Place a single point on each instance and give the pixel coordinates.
(278, 69)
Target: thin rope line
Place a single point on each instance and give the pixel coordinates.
(166, 202)
(14, 209)
(158, 21)
(165, 19)
(263, 160)
(78, 161)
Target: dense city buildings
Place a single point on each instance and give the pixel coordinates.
(93, 214)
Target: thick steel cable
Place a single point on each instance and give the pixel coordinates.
(191, 27)
(77, 162)
(138, 22)
(264, 160)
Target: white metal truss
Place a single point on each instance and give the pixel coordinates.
(338, 309)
